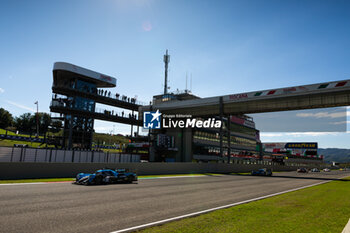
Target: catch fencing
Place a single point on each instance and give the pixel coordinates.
(21, 154)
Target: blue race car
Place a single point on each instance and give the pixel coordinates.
(106, 176)
(262, 172)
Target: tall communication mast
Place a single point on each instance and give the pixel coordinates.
(166, 61)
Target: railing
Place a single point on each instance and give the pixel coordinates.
(15, 154)
(56, 103)
(105, 93)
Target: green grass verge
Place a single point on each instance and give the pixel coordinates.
(322, 208)
(3, 131)
(97, 137)
(10, 143)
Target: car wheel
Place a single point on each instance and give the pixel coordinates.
(130, 179)
(98, 179)
(86, 183)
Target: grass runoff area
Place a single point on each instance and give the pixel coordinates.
(321, 208)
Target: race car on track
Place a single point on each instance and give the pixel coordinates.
(302, 170)
(106, 176)
(262, 172)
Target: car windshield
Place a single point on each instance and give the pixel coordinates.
(109, 173)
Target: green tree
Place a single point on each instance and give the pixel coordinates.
(27, 122)
(44, 122)
(24, 122)
(56, 126)
(6, 118)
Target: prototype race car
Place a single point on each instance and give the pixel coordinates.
(262, 172)
(106, 176)
(302, 170)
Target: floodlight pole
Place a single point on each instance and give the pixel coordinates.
(166, 61)
(37, 118)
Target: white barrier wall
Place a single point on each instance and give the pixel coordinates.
(5, 154)
(15, 154)
(41, 156)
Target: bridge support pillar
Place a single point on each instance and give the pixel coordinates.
(221, 106)
(70, 137)
(228, 138)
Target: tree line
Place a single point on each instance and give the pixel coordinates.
(27, 122)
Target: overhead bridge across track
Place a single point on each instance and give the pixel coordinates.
(321, 95)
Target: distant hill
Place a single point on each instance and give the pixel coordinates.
(335, 154)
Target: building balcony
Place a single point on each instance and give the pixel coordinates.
(100, 96)
(100, 114)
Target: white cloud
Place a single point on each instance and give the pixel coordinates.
(2, 90)
(340, 123)
(301, 134)
(103, 129)
(147, 26)
(20, 106)
(272, 134)
(323, 114)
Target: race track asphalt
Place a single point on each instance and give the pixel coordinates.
(64, 207)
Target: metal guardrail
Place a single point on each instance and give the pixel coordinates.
(22, 138)
(21, 154)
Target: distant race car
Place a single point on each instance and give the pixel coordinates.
(262, 172)
(302, 170)
(106, 176)
(326, 170)
(315, 170)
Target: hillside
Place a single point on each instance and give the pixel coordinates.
(98, 138)
(335, 154)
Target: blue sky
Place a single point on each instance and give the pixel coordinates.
(227, 47)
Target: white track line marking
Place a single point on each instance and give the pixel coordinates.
(213, 209)
(172, 177)
(347, 228)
